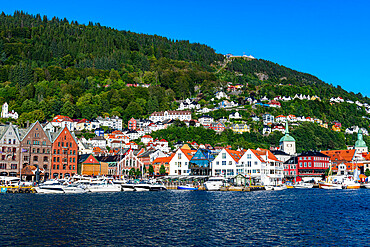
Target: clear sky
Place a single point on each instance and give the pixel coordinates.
(329, 39)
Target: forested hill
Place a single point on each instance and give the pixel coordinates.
(54, 66)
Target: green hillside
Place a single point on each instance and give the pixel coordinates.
(54, 66)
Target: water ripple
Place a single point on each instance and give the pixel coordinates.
(182, 218)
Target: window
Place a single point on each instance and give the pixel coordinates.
(224, 163)
(35, 158)
(58, 151)
(179, 156)
(64, 167)
(249, 156)
(45, 158)
(73, 160)
(74, 152)
(14, 166)
(70, 167)
(73, 167)
(223, 155)
(55, 151)
(58, 167)
(249, 163)
(230, 163)
(44, 143)
(58, 160)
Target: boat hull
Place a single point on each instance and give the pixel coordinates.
(328, 186)
(367, 186)
(95, 189)
(49, 190)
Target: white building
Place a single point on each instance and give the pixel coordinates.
(262, 166)
(220, 95)
(206, 120)
(6, 114)
(63, 121)
(179, 164)
(113, 122)
(226, 164)
(98, 141)
(235, 115)
(170, 115)
(268, 119)
(188, 104)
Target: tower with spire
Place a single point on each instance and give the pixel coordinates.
(360, 144)
(287, 142)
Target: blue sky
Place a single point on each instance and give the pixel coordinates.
(329, 39)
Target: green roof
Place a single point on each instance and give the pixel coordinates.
(360, 143)
(287, 138)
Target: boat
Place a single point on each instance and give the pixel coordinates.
(128, 186)
(74, 188)
(156, 186)
(50, 187)
(214, 183)
(103, 186)
(269, 187)
(303, 185)
(330, 183)
(143, 185)
(279, 187)
(235, 188)
(289, 185)
(187, 187)
(348, 182)
(367, 186)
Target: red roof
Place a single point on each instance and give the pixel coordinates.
(60, 118)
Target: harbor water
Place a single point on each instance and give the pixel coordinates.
(292, 217)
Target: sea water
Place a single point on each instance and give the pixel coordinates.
(293, 217)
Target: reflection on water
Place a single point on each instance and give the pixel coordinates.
(187, 218)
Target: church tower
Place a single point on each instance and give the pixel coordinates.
(360, 144)
(4, 111)
(287, 142)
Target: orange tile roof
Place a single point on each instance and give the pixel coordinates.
(163, 159)
(257, 154)
(236, 155)
(337, 155)
(188, 153)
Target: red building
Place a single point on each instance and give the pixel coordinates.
(291, 168)
(312, 163)
(64, 155)
(217, 126)
(132, 124)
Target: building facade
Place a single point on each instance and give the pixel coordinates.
(64, 155)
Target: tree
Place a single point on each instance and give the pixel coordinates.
(367, 173)
(162, 170)
(132, 172)
(68, 109)
(151, 170)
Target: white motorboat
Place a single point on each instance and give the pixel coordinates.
(157, 187)
(280, 187)
(142, 186)
(50, 187)
(367, 186)
(303, 185)
(269, 187)
(104, 186)
(129, 186)
(214, 183)
(349, 182)
(74, 188)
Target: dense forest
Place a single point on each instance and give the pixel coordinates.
(55, 66)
